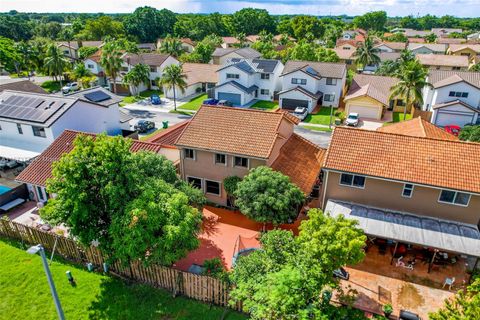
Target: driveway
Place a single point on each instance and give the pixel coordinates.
(320, 138)
(370, 124)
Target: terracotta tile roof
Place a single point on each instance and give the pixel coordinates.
(21, 85)
(344, 53)
(200, 72)
(351, 42)
(40, 169)
(458, 47)
(188, 41)
(301, 160)
(233, 130)
(418, 127)
(440, 163)
(324, 69)
(443, 60)
(441, 78)
(375, 87)
(416, 40)
(96, 56)
(169, 136)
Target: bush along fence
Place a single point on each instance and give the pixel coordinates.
(198, 287)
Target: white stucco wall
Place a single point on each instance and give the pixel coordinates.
(441, 95)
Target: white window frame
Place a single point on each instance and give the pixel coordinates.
(201, 181)
(266, 92)
(219, 187)
(405, 188)
(40, 130)
(353, 178)
(265, 76)
(299, 81)
(194, 154)
(248, 162)
(219, 163)
(333, 81)
(233, 76)
(454, 198)
(90, 66)
(329, 95)
(19, 128)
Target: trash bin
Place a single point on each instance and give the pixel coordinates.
(165, 124)
(338, 122)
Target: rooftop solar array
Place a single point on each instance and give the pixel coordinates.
(29, 108)
(312, 71)
(97, 96)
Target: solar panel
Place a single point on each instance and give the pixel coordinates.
(26, 108)
(311, 71)
(97, 96)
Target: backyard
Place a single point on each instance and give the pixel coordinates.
(142, 95)
(194, 104)
(25, 293)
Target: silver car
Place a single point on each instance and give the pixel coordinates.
(301, 113)
(352, 119)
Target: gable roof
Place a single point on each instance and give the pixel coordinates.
(239, 86)
(344, 53)
(450, 40)
(83, 94)
(441, 78)
(200, 72)
(247, 53)
(258, 65)
(96, 56)
(443, 60)
(148, 58)
(440, 163)
(375, 87)
(324, 69)
(454, 102)
(392, 45)
(417, 127)
(245, 132)
(168, 136)
(21, 85)
(459, 47)
(435, 47)
(40, 170)
(388, 56)
(316, 95)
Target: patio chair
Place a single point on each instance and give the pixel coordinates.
(449, 282)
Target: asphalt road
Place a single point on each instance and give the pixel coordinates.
(320, 138)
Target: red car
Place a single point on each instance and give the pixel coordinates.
(453, 129)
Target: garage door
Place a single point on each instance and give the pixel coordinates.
(234, 98)
(291, 104)
(365, 112)
(444, 119)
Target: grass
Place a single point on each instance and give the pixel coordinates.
(51, 86)
(25, 294)
(398, 117)
(194, 104)
(265, 105)
(321, 117)
(324, 129)
(142, 95)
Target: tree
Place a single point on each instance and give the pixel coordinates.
(374, 20)
(101, 28)
(302, 50)
(266, 195)
(470, 133)
(85, 52)
(111, 61)
(412, 79)
(148, 24)
(39, 50)
(138, 75)
(250, 21)
(8, 54)
(15, 28)
(475, 67)
(465, 305)
(230, 185)
(49, 30)
(397, 37)
(199, 26)
(332, 33)
(171, 46)
(430, 38)
(326, 55)
(55, 62)
(173, 78)
(25, 51)
(303, 26)
(366, 53)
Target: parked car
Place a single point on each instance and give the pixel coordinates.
(301, 113)
(352, 119)
(225, 103)
(143, 126)
(210, 102)
(69, 87)
(341, 273)
(453, 129)
(155, 99)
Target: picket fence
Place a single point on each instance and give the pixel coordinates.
(198, 287)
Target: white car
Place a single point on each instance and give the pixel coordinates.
(301, 113)
(72, 86)
(352, 119)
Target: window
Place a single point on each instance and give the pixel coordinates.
(331, 81)
(220, 158)
(407, 190)
(19, 128)
(233, 76)
(153, 69)
(66, 52)
(456, 68)
(241, 162)
(400, 103)
(195, 182)
(458, 94)
(346, 48)
(352, 180)
(189, 154)
(39, 132)
(212, 187)
(90, 66)
(264, 92)
(153, 83)
(329, 97)
(348, 62)
(265, 76)
(299, 81)
(452, 197)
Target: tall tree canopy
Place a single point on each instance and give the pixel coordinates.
(250, 21)
(147, 24)
(198, 26)
(464, 306)
(100, 28)
(470, 133)
(307, 27)
(375, 21)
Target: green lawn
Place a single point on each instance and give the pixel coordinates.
(398, 116)
(142, 95)
(25, 294)
(51, 86)
(265, 105)
(194, 104)
(322, 117)
(325, 129)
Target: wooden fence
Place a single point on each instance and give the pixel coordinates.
(198, 287)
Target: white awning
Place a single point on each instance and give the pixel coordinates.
(20, 150)
(409, 228)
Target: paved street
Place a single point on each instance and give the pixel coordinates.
(320, 138)
(155, 116)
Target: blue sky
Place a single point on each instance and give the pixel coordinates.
(462, 8)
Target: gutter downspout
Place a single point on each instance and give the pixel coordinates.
(324, 191)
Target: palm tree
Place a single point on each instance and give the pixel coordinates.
(55, 62)
(111, 61)
(412, 79)
(366, 53)
(171, 46)
(242, 40)
(172, 78)
(139, 74)
(25, 51)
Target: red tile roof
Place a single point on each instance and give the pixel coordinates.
(418, 127)
(167, 137)
(40, 169)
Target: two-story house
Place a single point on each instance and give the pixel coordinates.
(390, 46)
(200, 78)
(70, 49)
(453, 97)
(92, 63)
(308, 84)
(472, 51)
(427, 48)
(220, 142)
(242, 80)
(221, 56)
(443, 61)
(420, 191)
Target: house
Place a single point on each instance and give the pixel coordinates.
(70, 49)
(346, 55)
(308, 84)
(187, 44)
(30, 122)
(220, 142)
(418, 127)
(450, 41)
(201, 77)
(230, 42)
(222, 55)
(443, 61)
(472, 51)
(384, 56)
(36, 174)
(92, 63)
(19, 84)
(445, 32)
(411, 33)
(427, 48)
(415, 40)
(369, 96)
(147, 47)
(242, 80)
(453, 98)
(358, 35)
(406, 189)
(474, 36)
(390, 46)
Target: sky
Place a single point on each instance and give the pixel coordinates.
(460, 8)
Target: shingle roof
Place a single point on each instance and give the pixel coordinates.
(257, 65)
(417, 127)
(21, 85)
(247, 53)
(388, 56)
(393, 45)
(324, 69)
(344, 53)
(443, 60)
(301, 160)
(441, 78)
(82, 95)
(440, 163)
(200, 72)
(75, 44)
(458, 47)
(169, 136)
(239, 86)
(454, 102)
(40, 169)
(436, 47)
(316, 95)
(151, 59)
(233, 130)
(375, 87)
(96, 56)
